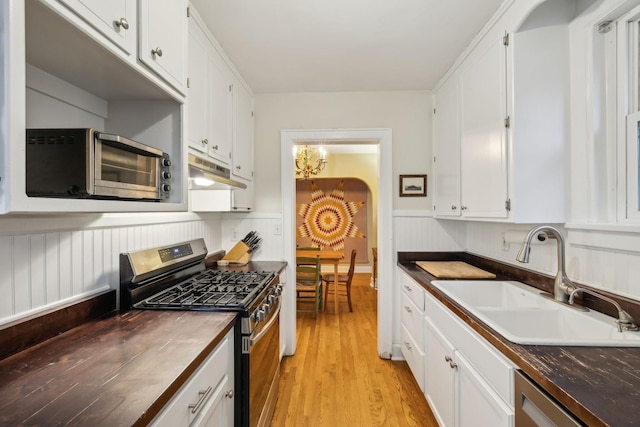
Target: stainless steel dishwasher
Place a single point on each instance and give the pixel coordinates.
(535, 408)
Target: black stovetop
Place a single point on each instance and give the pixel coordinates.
(211, 289)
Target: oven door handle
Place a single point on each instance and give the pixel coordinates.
(253, 340)
(131, 145)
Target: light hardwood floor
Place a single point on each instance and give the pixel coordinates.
(336, 378)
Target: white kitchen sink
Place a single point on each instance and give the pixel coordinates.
(522, 315)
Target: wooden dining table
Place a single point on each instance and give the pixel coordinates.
(326, 257)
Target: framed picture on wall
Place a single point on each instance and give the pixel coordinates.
(413, 185)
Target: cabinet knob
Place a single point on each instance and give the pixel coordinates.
(406, 307)
(447, 358)
(205, 141)
(454, 207)
(406, 344)
(157, 52)
(215, 147)
(238, 167)
(229, 394)
(122, 23)
(463, 208)
(453, 365)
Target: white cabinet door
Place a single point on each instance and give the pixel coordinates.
(206, 399)
(219, 409)
(440, 375)
(163, 39)
(477, 403)
(198, 91)
(483, 134)
(115, 19)
(221, 115)
(242, 132)
(446, 147)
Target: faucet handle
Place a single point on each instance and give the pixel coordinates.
(625, 322)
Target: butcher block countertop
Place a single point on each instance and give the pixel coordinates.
(600, 385)
(116, 371)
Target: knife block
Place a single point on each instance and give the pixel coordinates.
(238, 254)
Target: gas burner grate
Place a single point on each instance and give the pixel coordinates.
(212, 289)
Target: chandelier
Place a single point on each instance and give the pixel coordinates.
(309, 161)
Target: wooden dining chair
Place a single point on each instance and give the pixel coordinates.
(308, 284)
(344, 281)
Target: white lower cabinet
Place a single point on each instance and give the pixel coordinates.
(413, 328)
(439, 376)
(207, 398)
(468, 383)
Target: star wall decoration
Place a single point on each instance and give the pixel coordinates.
(328, 219)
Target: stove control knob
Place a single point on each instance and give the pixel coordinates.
(261, 316)
(266, 308)
(272, 299)
(277, 290)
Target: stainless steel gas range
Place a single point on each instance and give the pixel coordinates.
(174, 277)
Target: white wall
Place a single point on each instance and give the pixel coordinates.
(407, 113)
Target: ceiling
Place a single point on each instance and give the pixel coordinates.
(344, 45)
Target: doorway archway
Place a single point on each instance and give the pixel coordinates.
(383, 139)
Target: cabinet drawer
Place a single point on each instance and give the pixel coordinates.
(414, 290)
(213, 371)
(496, 369)
(414, 357)
(412, 319)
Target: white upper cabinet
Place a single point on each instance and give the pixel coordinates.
(116, 19)
(163, 39)
(242, 132)
(74, 64)
(210, 98)
(446, 150)
(507, 137)
(483, 148)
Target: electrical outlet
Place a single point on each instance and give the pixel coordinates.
(505, 244)
(277, 229)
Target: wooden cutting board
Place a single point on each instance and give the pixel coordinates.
(454, 270)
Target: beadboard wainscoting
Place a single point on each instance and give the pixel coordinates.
(604, 257)
(49, 261)
(268, 226)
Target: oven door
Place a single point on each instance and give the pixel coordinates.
(264, 370)
(127, 169)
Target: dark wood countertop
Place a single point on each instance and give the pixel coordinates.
(600, 385)
(117, 371)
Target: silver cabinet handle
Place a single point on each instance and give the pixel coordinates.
(408, 288)
(406, 344)
(204, 394)
(157, 52)
(406, 307)
(122, 23)
(452, 364)
(215, 147)
(229, 394)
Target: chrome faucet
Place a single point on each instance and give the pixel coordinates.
(562, 286)
(625, 321)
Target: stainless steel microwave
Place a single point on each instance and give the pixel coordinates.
(86, 163)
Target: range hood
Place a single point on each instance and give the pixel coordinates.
(204, 169)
